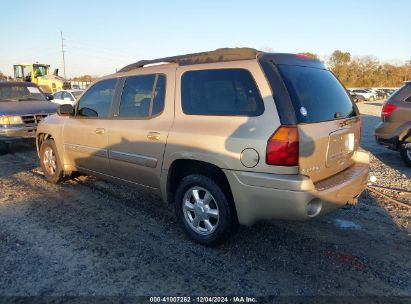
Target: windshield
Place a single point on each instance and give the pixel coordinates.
(316, 94)
(21, 93)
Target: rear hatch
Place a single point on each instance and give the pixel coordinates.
(328, 121)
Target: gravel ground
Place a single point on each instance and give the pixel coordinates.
(91, 237)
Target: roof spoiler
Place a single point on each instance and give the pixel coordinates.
(293, 59)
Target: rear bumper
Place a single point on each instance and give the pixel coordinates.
(390, 143)
(385, 137)
(261, 196)
(18, 133)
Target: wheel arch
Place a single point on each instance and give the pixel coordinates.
(405, 135)
(181, 168)
(40, 138)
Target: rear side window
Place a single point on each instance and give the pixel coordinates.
(67, 95)
(142, 94)
(96, 102)
(403, 93)
(316, 94)
(230, 92)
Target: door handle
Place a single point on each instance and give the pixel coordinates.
(100, 131)
(153, 136)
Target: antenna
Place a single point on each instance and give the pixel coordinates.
(62, 54)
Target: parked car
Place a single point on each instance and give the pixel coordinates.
(394, 131)
(356, 97)
(206, 133)
(22, 106)
(67, 96)
(366, 94)
(380, 94)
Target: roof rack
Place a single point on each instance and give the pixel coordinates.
(219, 55)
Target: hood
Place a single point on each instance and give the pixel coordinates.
(27, 107)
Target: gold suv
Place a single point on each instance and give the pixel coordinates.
(229, 137)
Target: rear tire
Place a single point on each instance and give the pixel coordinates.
(4, 147)
(406, 153)
(50, 162)
(204, 211)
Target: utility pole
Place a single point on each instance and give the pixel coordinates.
(62, 53)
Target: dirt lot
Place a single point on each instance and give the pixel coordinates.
(91, 237)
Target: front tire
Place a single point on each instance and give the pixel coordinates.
(405, 151)
(50, 162)
(204, 210)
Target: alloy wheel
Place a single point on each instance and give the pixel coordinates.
(49, 161)
(200, 210)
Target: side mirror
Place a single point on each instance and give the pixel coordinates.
(65, 110)
(49, 97)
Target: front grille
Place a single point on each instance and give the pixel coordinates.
(33, 120)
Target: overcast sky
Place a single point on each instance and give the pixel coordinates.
(102, 36)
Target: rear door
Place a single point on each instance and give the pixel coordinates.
(328, 121)
(139, 129)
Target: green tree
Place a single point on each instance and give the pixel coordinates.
(338, 58)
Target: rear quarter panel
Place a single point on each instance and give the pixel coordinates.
(221, 139)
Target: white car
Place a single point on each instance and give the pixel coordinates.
(67, 96)
(367, 95)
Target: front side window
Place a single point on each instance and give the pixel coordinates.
(96, 102)
(231, 92)
(143, 96)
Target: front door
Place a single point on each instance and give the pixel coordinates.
(86, 133)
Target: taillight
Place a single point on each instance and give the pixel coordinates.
(283, 146)
(387, 110)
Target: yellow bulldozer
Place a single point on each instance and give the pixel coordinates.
(39, 74)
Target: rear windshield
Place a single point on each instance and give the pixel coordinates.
(316, 94)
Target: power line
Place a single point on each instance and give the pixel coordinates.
(100, 48)
(96, 53)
